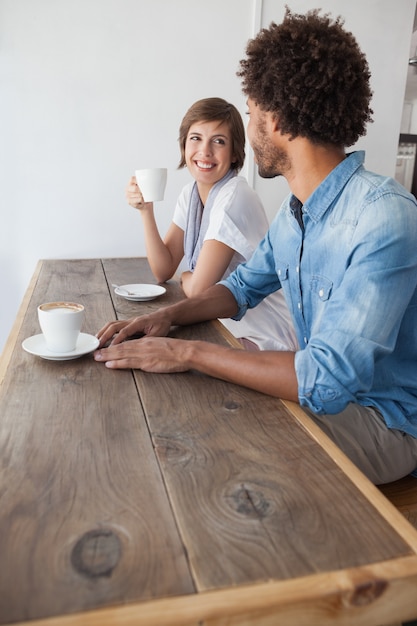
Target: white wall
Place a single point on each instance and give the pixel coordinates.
(92, 89)
(409, 116)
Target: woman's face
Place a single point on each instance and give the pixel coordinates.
(208, 152)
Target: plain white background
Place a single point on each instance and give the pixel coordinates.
(91, 90)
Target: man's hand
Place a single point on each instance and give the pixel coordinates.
(156, 324)
(150, 354)
(215, 302)
(266, 371)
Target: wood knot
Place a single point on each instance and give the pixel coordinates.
(231, 405)
(249, 502)
(366, 593)
(96, 553)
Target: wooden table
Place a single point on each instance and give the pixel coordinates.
(129, 498)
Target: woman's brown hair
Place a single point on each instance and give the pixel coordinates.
(215, 109)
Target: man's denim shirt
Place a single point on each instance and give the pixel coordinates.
(349, 278)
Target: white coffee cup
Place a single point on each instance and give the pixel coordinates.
(152, 183)
(60, 324)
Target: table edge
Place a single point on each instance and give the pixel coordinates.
(284, 597)
(365, 486)
(395, 518)
(17, 324)
(368, 594)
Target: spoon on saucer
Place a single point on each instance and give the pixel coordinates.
(129, 293)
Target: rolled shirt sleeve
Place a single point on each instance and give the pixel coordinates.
(350, 282)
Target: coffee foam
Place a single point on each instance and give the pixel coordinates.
(62, 306)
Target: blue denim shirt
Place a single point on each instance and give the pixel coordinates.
(349, 277)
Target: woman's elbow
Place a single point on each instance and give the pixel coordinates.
(191, 290)
(162, 277)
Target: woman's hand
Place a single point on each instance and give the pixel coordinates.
(134, 195)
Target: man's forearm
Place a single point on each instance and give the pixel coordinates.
(215, 302)
(271, 372)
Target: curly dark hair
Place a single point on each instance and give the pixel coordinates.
(311, 74)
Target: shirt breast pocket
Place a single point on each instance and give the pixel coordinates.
(282, 273)
(321, 287)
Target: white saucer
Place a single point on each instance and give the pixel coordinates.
(36, 345)
(140, 292)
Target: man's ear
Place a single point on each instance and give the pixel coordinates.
(274, 123)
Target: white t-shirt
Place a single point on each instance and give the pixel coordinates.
(238, 220)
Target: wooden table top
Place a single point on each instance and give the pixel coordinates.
(177, 499)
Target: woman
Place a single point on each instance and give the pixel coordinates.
(218, 221)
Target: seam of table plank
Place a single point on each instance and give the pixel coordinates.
(17, 353)
(370, 491)
(289, 597)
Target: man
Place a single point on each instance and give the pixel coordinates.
(342, 247)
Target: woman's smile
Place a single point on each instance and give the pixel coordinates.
(205, 166)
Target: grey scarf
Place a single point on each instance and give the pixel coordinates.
(198, 219)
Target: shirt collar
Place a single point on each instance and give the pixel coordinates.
(324, 195)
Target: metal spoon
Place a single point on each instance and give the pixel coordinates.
(129, 293)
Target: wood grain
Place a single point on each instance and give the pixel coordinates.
(84, 519)
(178, 500)
(130, 271)
(255, 497)
(403, 495)
(340, 598)
(372, 493)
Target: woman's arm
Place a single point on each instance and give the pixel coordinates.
(165, 255)
(212, 263)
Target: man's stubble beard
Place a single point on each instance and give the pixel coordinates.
(271, 160)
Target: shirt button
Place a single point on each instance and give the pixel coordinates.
(279, 272)
(305, 340)
(297, 269)
(321, 293)
(299, 305)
